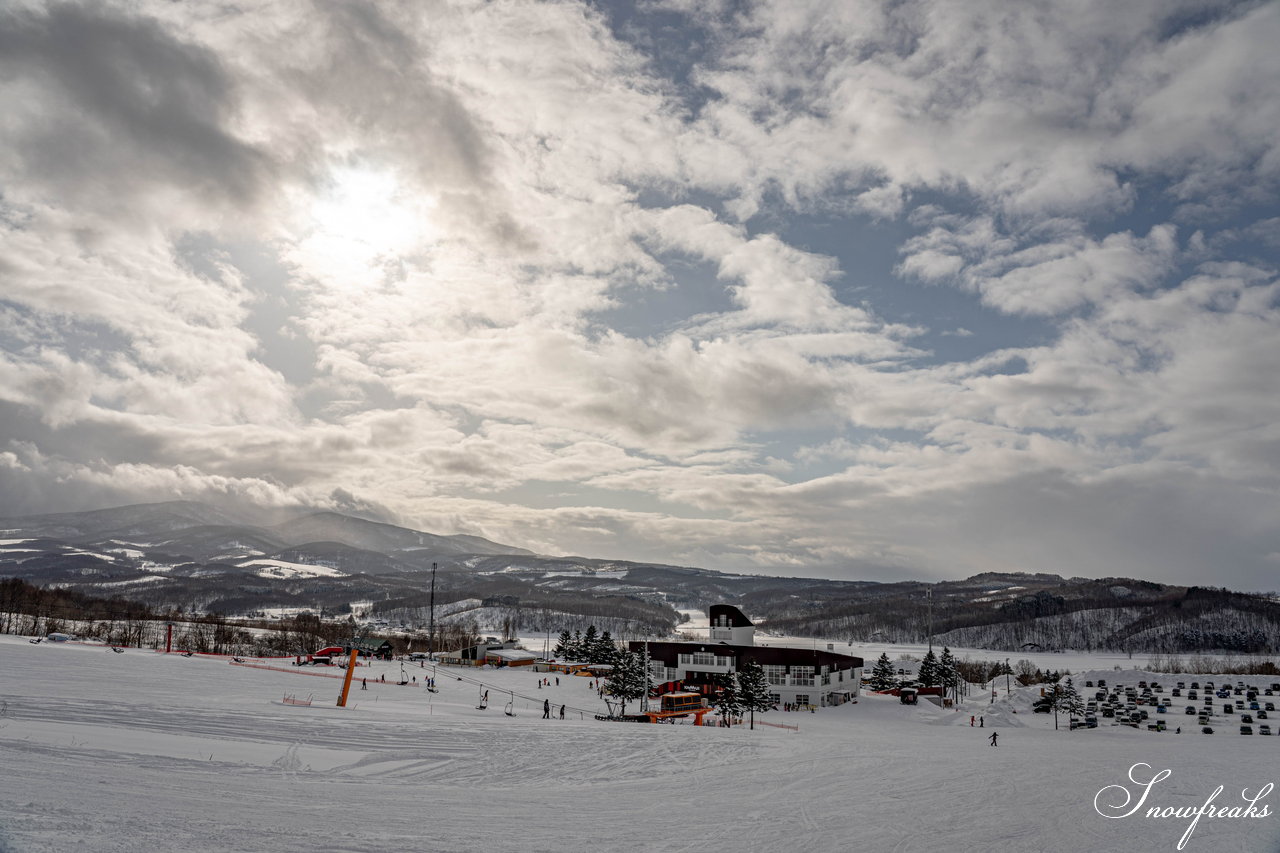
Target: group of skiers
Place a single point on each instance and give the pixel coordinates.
(546, 709)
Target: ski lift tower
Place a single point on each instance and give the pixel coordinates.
(431, 627)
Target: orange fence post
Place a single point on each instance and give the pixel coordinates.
(346, 682)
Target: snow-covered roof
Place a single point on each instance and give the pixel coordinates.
(511, 654)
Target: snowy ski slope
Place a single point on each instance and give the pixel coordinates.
(145, 752)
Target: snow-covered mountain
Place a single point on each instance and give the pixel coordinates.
(190, 554)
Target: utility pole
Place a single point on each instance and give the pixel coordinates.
(644, 705)
(431, 626)
(928, 595)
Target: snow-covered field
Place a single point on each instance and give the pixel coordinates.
(145, 752)
(283, 569)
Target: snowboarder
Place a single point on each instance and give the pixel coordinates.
(994, 735)
(546, 709)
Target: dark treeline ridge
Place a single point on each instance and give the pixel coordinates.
(29, 610)
(1039, 611)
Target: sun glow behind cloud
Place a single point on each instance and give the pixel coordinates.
(509, 270)
(364, 215)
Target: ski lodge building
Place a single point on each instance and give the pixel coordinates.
(797, 676)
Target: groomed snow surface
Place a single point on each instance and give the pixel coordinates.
(141, 751)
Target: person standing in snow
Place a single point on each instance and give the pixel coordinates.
(971, 722)
(994, 735)
(364, 684)
(546, 709)
(982, 722)
(562, 712)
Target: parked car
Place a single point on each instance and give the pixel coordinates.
(1191, 709)
(1264, 730)
(1246, 730)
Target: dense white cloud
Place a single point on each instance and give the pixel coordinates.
(497, 268)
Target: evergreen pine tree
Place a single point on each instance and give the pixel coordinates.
(587, 649)
(563, 644)
(948, 676)
(628, 680)
(575, 647)
(927, 675)
(727, 699)
(884, 675)
(606, 650)
(753, 690)
(1070, 700)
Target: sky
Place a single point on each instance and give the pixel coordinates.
(867, 290)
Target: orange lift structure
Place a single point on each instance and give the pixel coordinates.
(672, 705)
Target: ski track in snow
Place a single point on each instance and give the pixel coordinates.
(145, 752)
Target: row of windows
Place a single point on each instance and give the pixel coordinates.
(705, 659)
(773, 673)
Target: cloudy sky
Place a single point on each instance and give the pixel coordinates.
(846, 289)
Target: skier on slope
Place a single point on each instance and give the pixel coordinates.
(994, 735)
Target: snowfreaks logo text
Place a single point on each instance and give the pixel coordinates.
(1117, 801)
